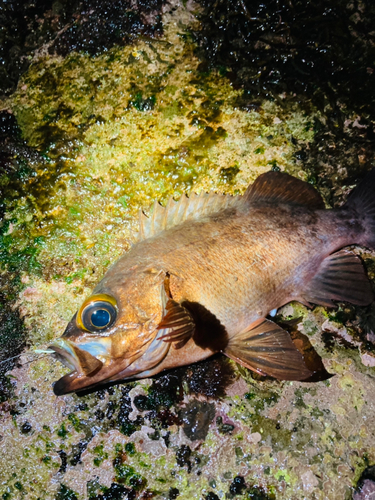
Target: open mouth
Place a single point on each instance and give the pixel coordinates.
(91, 362)
(75, 358)
(82, 363)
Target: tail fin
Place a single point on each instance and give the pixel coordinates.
(362, 200)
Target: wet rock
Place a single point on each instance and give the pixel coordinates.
(274, 47)
(31, 29)
(366, 492)
(197, 417)
(237, 486)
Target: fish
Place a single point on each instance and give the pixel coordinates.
(207, 274)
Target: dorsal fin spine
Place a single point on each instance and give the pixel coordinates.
(141, 217)
(154, 216)
(186, 203)
(204, 199)
(176, 212)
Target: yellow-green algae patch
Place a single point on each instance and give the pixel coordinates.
(116, 132)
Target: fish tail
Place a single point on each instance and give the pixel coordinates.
(362, 202)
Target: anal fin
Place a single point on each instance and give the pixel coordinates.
(341, 277)
(267, 349)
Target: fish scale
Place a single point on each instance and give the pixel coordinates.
(242, 261)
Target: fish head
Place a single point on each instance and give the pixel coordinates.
(113, 335)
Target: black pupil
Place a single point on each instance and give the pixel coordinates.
(100, 318)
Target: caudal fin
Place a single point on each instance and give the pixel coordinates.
(362, 200)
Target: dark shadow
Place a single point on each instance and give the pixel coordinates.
(312, 359)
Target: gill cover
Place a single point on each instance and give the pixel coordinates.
(97, 313)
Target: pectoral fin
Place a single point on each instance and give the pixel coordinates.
(267, 349)
(177, 321)
(341, 277)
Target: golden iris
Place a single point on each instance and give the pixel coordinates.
(97, 313)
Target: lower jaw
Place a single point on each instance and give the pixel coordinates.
(63, 385)
(76, 381)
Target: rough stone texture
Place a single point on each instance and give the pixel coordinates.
(367, 491)
(109, 134)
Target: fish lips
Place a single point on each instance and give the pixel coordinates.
(88, 370)
(86, 357)
(92, 363)
(81, 361)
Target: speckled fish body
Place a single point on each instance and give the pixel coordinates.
(206, 273)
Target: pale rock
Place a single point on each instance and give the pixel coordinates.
(147, 445)
(254, 438)
(309, 481)
(368, 360)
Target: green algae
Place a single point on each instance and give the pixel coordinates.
(65, 493)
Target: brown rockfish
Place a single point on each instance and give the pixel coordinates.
(205, 274)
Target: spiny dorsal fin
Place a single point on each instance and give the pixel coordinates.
(279, 187)
(176, 212)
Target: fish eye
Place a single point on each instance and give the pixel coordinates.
(100, 318)
(97, 313)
